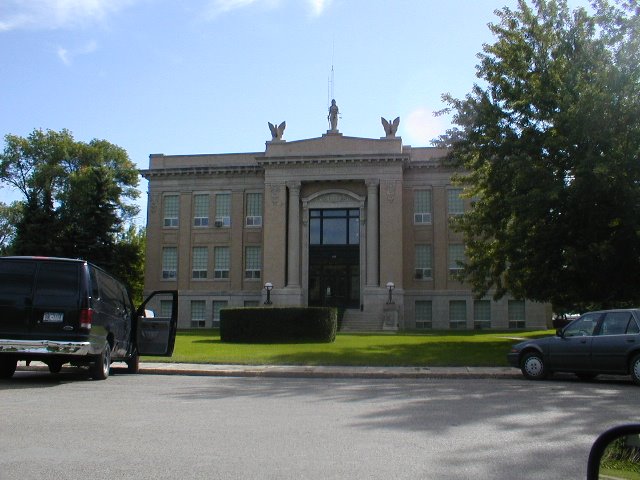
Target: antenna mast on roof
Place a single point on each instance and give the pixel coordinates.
(330, 82)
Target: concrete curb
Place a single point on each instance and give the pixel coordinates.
(302, 371)
(286, 371)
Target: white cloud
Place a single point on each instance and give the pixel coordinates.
(67, 56)
(421, 126)
(63, 54)
(56, 14)
(319, 6)
(216, 8)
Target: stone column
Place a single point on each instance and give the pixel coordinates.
(372, 232)
(293, 235)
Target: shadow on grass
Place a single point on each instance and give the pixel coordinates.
(427, 354)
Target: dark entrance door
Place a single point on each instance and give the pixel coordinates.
(334, 258)
(334, 277)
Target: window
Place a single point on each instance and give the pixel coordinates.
(254, 210)
(166, 308)
(617, 323)
(582, 327)
(516, 314)
(481, 314)
(217, 306)
(253, 262)
(455, 205)
(198, 313)
(199, 260)
(169, 263)
(201, 210)
(422, 207)
(170, 210)
(60, 281)
(221, 267)
(423, 262)
(223, 210)
(424, 314)
(334, 227)
(456, 256)
(457, 314)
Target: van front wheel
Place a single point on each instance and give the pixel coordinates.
(100, 368)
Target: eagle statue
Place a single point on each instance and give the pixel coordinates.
(390, 129)
(276, 132)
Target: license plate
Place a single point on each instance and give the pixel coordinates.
(53, 317)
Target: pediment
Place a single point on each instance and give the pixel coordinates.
(332, 144)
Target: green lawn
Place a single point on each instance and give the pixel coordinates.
(443, 348)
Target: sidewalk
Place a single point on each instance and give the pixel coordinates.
(303, 371)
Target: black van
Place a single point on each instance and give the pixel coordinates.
(61, 310)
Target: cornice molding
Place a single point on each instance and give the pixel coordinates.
(287, 160)
(202, 171)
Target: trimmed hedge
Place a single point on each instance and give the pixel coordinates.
(278, 324)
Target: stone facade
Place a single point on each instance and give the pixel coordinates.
(327, 221)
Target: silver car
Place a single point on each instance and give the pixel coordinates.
(606, 341)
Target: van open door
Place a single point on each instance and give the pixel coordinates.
(156, 335)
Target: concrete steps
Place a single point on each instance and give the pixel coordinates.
(357, 321)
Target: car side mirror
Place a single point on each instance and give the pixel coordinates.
(616, 454)
(560, 332)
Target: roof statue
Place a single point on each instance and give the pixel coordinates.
(277, 132)
(333, 116)
(390, 129)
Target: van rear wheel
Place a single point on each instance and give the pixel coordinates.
(99, 370)
(55, 367)
(7, 367)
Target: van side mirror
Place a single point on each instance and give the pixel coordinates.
(615, 454)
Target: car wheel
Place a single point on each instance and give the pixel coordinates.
(7, 367)
(100, 368)
(55, 367)
(634, 369)
(533, 367)
(133, 363)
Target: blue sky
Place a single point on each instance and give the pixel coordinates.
(205, 76)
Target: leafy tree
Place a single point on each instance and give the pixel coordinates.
(9, 216)
(87, 197)
(37, 229)
(75, 197)
(550, 143)
(128, 264)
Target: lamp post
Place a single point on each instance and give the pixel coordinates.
(390, 287)
(268, 287)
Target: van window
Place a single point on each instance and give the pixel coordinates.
(57, 279)
(110, 293)
(16, 278)
(95, 291)
(128, 308)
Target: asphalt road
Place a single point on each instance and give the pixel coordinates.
(187, 427)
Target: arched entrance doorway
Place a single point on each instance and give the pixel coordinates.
(333, 248)
(334, 257)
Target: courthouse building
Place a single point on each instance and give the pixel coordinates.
(358, 223)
